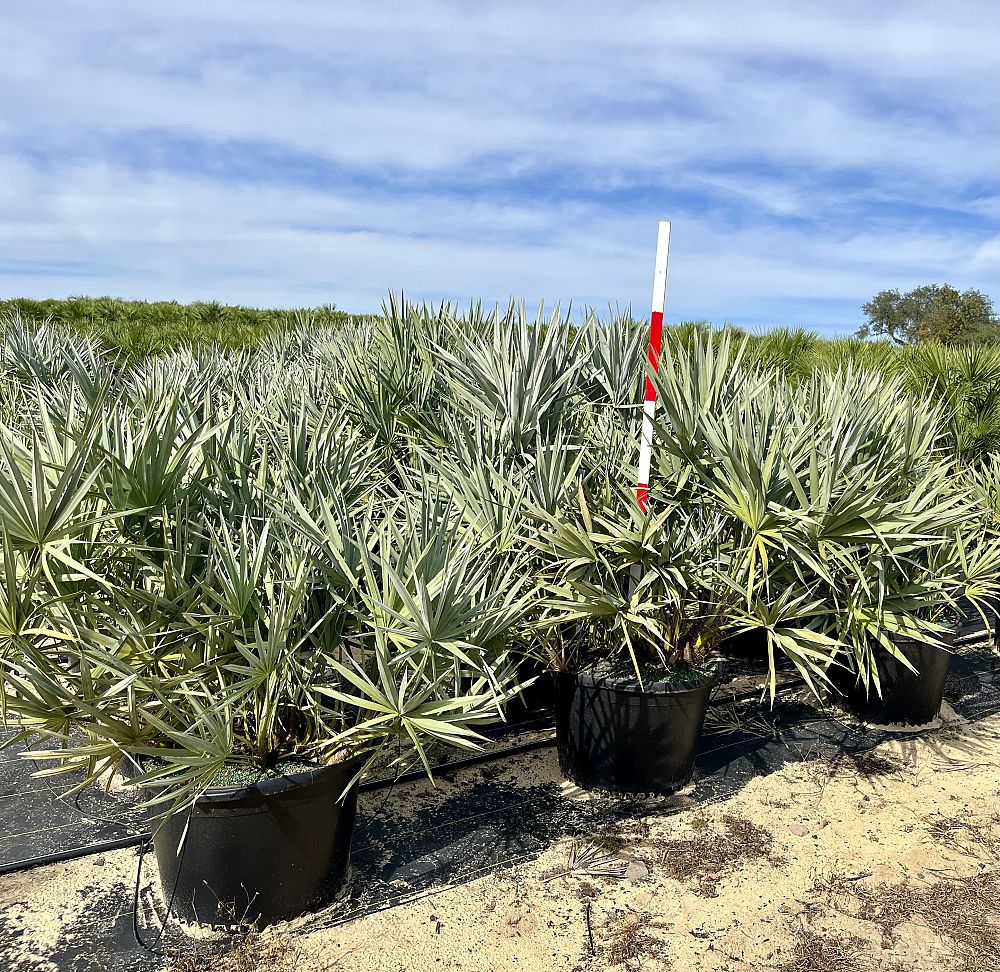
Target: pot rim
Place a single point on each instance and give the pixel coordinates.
(947, 640)
(273, 785)
(632, 686)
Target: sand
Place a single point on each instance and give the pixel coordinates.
(887, 861)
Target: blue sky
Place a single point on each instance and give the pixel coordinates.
(292, 153)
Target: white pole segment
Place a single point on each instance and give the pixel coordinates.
(653, 358)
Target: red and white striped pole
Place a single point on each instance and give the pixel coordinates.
(655, 343)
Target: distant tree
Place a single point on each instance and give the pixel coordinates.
(932, 313)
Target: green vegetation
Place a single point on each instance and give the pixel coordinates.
(338, 542)
(931, 313)
(963, 381)
(140, 328)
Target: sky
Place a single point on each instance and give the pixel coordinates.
(808, 155)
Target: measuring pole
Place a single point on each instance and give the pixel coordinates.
(653, 356)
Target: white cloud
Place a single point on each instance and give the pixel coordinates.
(501, 148)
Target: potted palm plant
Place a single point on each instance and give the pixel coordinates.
(637, 604)
(861, 544)
(906, 603)
(252, 626)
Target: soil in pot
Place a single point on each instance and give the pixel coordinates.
(908, 698)
(614, 735)
(262, 852)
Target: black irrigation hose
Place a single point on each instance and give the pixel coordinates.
(497, 754)
(61, 797)
(61, 857)
(15, 867)
(541, 720)
(153, 949)
(388, 782)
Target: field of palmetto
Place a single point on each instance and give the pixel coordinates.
(412, 501)
(349, 541)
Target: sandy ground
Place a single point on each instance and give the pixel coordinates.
(887, 861)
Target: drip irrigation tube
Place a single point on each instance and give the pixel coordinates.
(135, 840)
(14, 867)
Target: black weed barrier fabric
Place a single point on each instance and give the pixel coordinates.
(38, 818)
(487, 823)
(413, 839)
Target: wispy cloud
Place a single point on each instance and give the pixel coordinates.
(307, 152)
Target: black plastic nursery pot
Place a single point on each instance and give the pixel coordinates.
(747, 644)
(533, 700)
(537, 697)
(260, 853)
(908, 698)
(614, 735)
